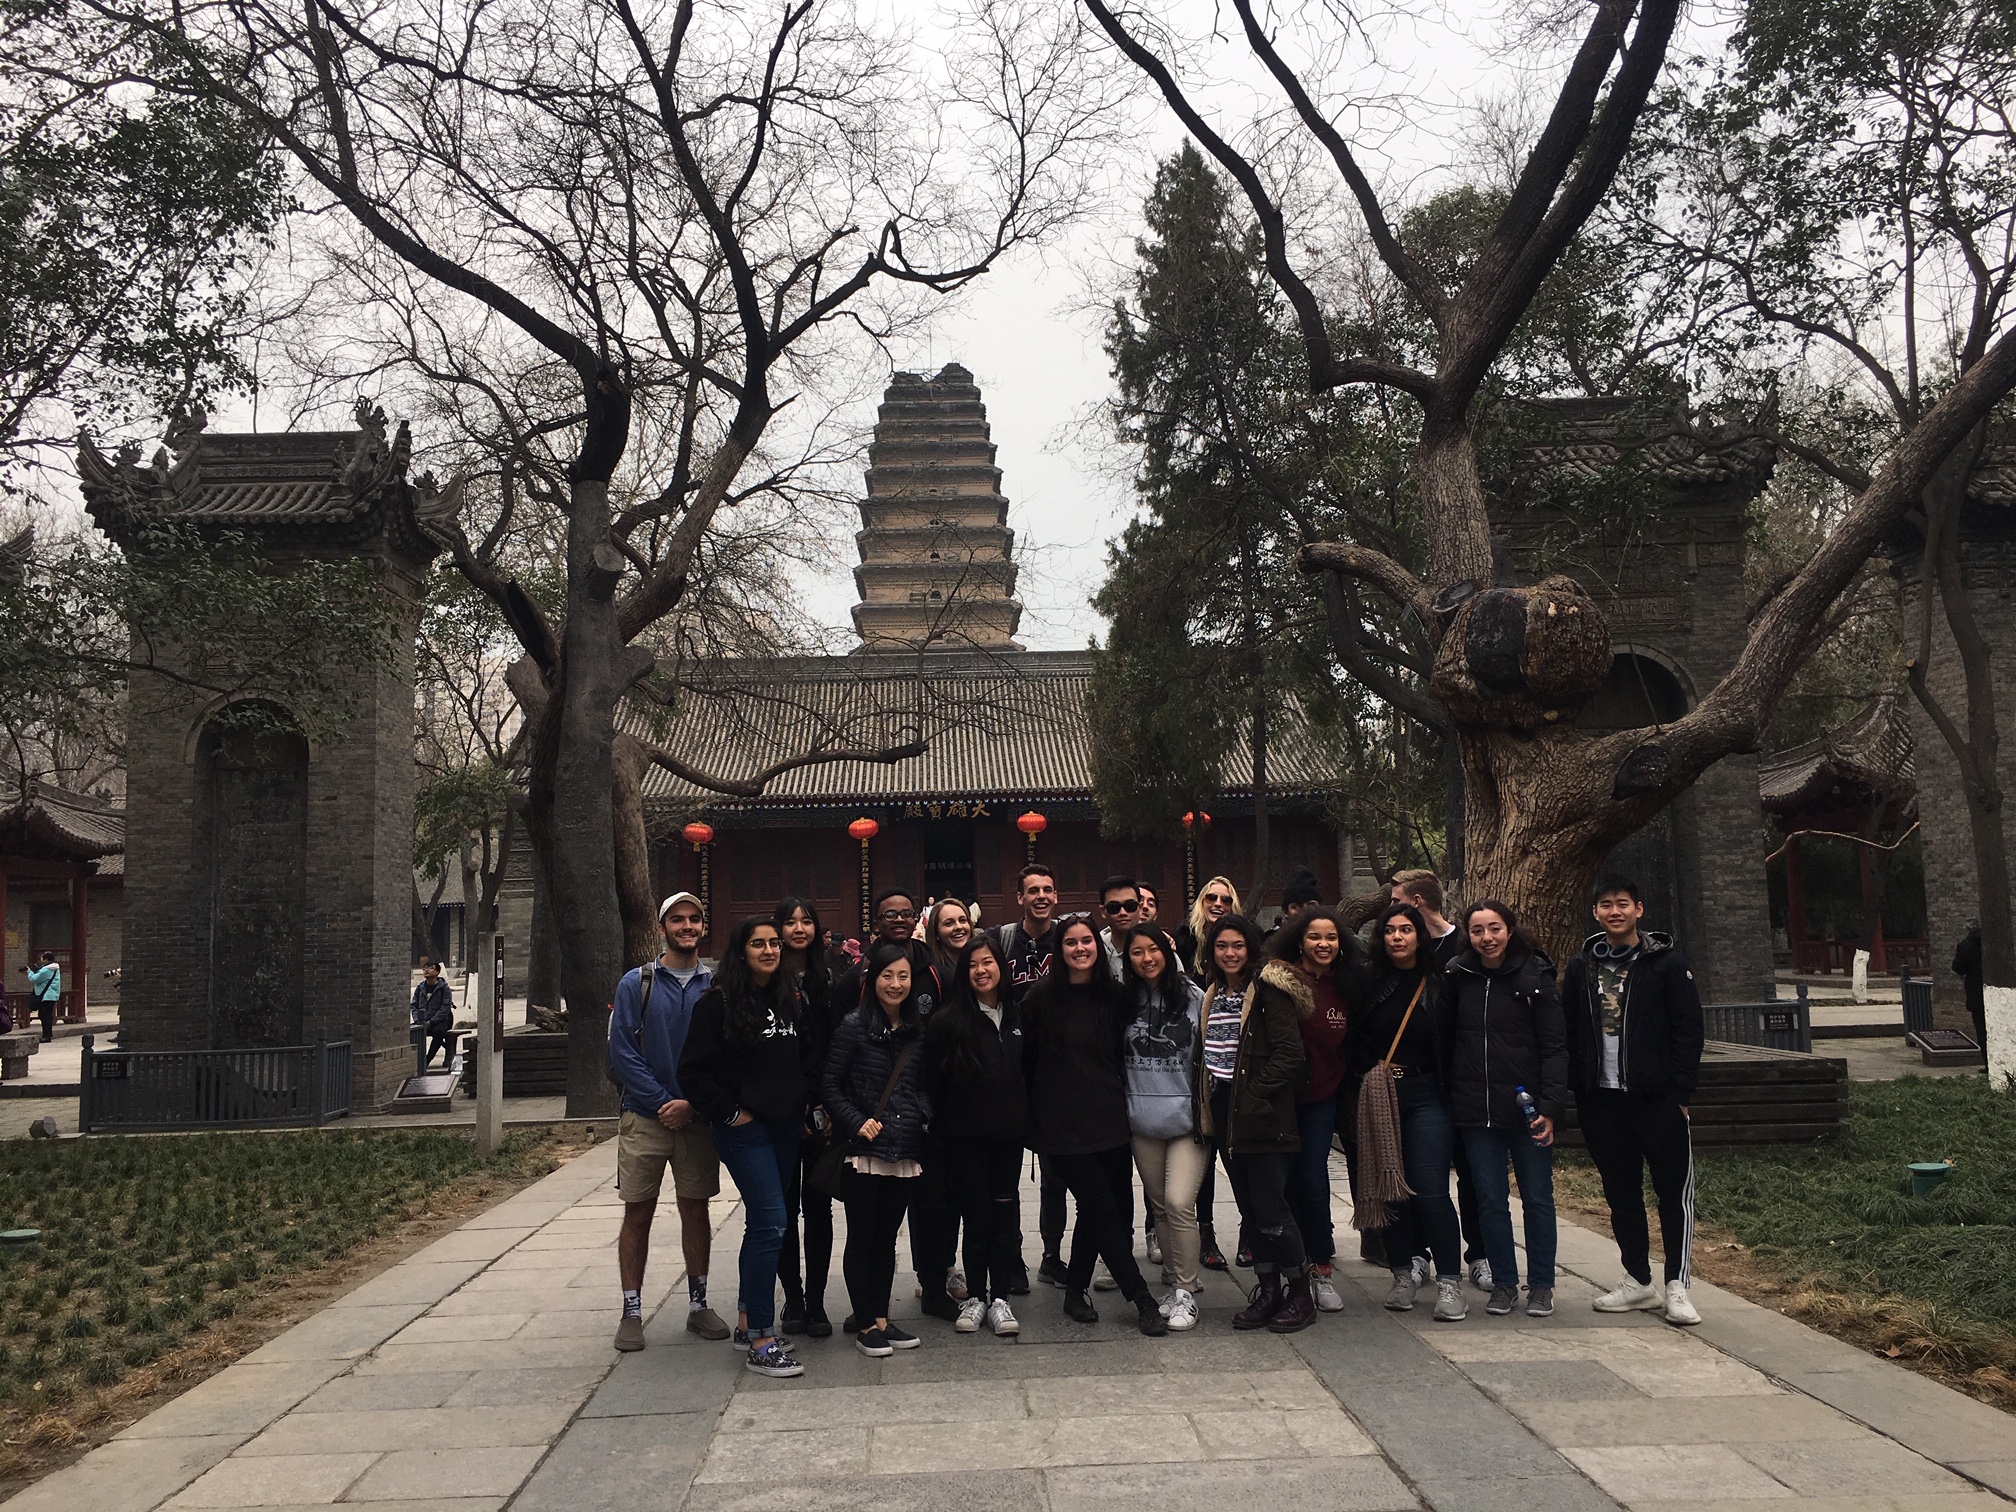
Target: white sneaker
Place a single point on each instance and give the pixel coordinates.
(1423, 1270)
(1325, 1289)
(1105, 1281)
(972, 1312)
(1167, 1302)
(1154, 1249)
(1001, 1318)
(1182, 1311)
(1632, 1296)
(1480, 1275)
(1678, 1308)
(955, 1284)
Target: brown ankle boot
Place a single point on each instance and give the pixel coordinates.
(1267, 1299)
(1297, 1310)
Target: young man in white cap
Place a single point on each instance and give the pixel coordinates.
(657, 1128)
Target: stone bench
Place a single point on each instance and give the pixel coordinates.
(15, 1048)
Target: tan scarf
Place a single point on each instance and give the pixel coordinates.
(1382, 1174)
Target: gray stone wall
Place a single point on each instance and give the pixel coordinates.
(357, 871)
(1951, 897)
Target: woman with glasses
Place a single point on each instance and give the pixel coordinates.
(1216, 899)
(1074, 1032)
(745, 1069)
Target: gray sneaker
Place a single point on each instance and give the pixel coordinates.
(1401, 1297)
(1539, 1301)
(1503, 1300)
(1449, 1304)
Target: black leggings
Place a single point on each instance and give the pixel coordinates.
(1050, 1207)
(934, 1222)
(983, 1180)
(807, 1287)
(1102, 1184)
(875, 1206)
(1260, 1187)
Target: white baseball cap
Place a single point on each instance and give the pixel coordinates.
(680, 897)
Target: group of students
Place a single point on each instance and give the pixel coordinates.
(911, 1084)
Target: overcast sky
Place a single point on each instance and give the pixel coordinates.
(1032, 338)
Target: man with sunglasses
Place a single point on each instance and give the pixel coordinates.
(1120, 902)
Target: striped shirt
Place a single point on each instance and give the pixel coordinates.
(1221, 1034)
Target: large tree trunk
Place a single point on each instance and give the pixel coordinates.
(1454, 814)
(633, 852)
(576, 809)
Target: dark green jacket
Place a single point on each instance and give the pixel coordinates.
(1270, 1066)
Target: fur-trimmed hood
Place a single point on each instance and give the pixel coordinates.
(1283, 977)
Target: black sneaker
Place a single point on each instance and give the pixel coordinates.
(1079, 1309)
(1245, 1259)
(1052, 1271)
(850, 1324)
(1153, 1324)
(792, 1318)
(774, 1360)
(1018, 1285)
(1212, 1258)
(900, 1338)
(871, 1341)
(940, 1305)
(818, 1325)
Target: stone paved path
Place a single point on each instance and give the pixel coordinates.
(477, 1375)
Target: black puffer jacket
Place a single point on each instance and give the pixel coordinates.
(992, 1105)
(1662, 1031)
(865, 1050)
(1505, 1031)
(1386, 1002)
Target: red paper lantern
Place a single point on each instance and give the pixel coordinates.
(1199, 819)
(864, 830)
(1032, 824)
(699, 834)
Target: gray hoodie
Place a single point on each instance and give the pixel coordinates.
(1161, 1064)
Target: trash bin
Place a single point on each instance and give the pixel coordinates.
(1926, 1175)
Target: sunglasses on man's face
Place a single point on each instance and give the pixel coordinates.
(1130, 905)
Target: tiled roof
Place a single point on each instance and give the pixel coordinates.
(332, 484)
(48, 820)
(1009, 725)
(1585, 439)
(1869, 757)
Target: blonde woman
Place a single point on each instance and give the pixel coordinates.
(1215, 899)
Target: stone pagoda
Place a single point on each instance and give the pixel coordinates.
(937, 557)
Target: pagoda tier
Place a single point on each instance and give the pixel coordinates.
(937, 557)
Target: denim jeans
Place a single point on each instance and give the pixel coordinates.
(757, 1155)
(1309, 1180)
(1489, 1149)
(1425, 1224)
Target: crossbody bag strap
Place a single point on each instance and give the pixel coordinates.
(894, 1072)
(1394, 1048)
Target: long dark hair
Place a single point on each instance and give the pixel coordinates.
(1518, 946)
(883, 956)
(1247, 930)
(817, 982)
(746, 1007)
(1105, 986)
(1383, 970)
(959, 1018)
(1166, 999)
(1347, 972)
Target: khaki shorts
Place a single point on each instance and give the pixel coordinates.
(644, 1147)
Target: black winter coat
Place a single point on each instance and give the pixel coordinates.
(994, 1104)
(1661, 1036)
(847, 988)
(865, 1050)
(1373, 1027)
(1505, 1031)
(1272, 1064)
(1073, 1055)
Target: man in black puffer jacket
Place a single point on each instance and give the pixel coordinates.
(1634, 1055)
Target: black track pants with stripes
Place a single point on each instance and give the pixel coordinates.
(1627, 1133)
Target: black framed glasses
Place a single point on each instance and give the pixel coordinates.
(893, 914)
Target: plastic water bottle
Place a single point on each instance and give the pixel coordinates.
(1528, 1108)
